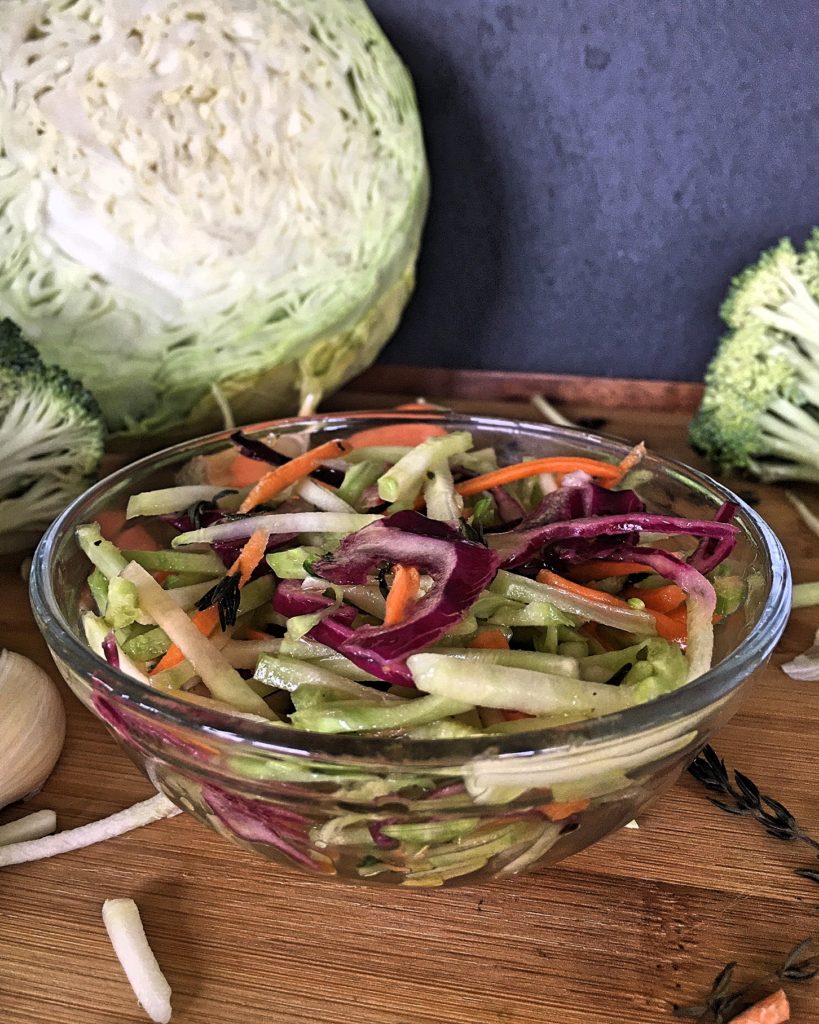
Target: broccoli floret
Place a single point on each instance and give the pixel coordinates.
(51, 440)
(760, 409)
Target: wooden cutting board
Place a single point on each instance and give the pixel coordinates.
(614, 935)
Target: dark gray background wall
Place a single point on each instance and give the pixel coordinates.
(600, 169)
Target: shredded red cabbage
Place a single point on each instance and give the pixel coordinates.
(517, 547)
(711, 551)
(110, 650)
(509, 509)
(335, 630)
(460, 570)
(582, 501)
(257, 821)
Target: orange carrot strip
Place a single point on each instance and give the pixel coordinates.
(409, 434)
(256, 634)
(553, 580)
(668, 627)
(245, 472)
(561, 811)
(590, 629)
(673, 628)
(129, 535)
(275, 481)
(490, 640)
(422, 405)
(521, 470)
(205, 621)
(249, 557)
(775, 1009)
(587, 572)
(633, 458)
(403, 592)
(659, 599)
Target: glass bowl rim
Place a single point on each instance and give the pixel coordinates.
(707, 690)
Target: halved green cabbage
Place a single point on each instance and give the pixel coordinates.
(200, 191)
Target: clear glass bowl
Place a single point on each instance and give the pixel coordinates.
(391, 810)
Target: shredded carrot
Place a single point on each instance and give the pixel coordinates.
(256, 634)
(659, 599)
(129, 535)
(422, 405)
(513, 716)
(521, 470)
(207, 620)
(632, 459)
(669, 627)
(245, 472)
(774, 1009)
(490, 640)
(402, 595)
(560, 811)
(409, 434)
(276, 480)
(250, 556)
(590, 629)
(553, 580)
(587, 572)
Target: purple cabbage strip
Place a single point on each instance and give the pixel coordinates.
(711, 551)
(509, 509)
(378, 837)
(582, 501)
(257, 821)
(252, 448)
(517, 547)
(333, 631)
(460, 570)
(110, 650)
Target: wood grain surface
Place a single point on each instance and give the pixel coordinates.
(614, 935)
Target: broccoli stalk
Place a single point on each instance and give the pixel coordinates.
(51, 440)
(760, 409)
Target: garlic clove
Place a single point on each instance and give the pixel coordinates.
(32, 727)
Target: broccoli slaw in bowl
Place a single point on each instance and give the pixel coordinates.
(412, 648)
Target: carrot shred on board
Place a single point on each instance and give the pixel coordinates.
(561, 583)
(521, 470)
(207, 619)
(659, 599)
(560, 811)
(490, 640)
(276, 480)
(588, 572)
(774, 1009)
(402, 595)
(399, 434)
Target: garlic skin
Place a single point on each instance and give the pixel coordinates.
(32, 727)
